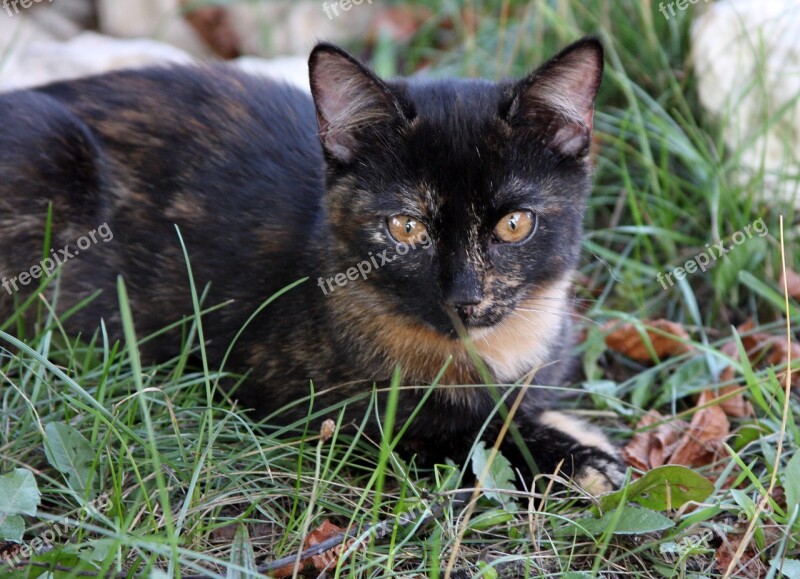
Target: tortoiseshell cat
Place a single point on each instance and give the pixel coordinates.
(421, 210)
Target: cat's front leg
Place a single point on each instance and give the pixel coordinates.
(576, 449)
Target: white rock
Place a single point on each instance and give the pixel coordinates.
(43, 61)
(746, 55)
(157, 19)
(290, 69)
(281, 27)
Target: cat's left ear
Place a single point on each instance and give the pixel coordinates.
(350, 100)
(557, 99)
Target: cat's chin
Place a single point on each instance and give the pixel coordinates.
(481, 331)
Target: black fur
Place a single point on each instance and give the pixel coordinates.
(239, 164)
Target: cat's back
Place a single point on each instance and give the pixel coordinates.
(234, 160)
(215, 126)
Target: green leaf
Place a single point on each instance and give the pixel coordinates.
(791, 483)
(19, 495)
(669, 486)
(499, 476)
(242, 555)
(632, 521)
(490, 519)
(71, 454)
(788, 567)
(12, 528)
(95, 551)
(767, 292)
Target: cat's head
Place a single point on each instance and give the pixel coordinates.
(466, 197)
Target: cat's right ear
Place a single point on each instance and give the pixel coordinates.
(557, 99)
(349, 99)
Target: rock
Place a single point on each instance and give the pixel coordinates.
(293, 28)
(42, 61)
(259, 28)
(291, 69)
(160, 20)
(746, 55)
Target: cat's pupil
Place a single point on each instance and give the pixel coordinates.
(409, 226)
(513, 222)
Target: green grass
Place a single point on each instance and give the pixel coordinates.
(186, 474)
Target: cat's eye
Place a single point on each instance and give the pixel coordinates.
(516, 226)
(405, 229)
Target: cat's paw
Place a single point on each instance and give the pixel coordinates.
(594, 460)
(600, 475)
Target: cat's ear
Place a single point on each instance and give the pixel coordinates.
(349, 99)
(557, 99)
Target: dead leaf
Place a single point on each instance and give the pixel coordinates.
(325, 561)
(626, 340)
(703, 440)
(735, 406)
(652, 448)
(749, 566)
(328, 560)
(780, 353)
(792, 279)
(215, 27)
(400, 23)
(763, 350)
(676, 442)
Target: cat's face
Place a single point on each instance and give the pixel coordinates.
(466, 197)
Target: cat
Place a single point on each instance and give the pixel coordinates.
(438, 224)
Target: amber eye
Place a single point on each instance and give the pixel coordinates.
(406, 229)
(516, 226)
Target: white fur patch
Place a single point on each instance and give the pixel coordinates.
(594, 481)
(523, 340)
(580, 430)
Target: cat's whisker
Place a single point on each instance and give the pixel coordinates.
(564, 314)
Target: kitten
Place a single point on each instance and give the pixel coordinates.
(428, 214)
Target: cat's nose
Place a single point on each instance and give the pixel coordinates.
(467, 311)
(465, 294)
(465, 303)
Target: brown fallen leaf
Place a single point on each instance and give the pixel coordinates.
(676, 442)
(735, 406)
(703, 440)
(215, 27)
(780, 353)
(626, 340)
(749, 566)
(792, 279)
(763, 350)
(326, 561)
(400, 23)
(650, 449)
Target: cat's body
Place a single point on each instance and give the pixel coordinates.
(237, 163)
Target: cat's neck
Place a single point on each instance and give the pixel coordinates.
(523, 342)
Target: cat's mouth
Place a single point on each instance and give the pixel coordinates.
(471, 318)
